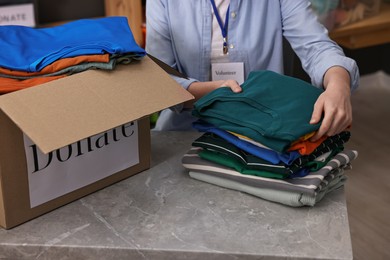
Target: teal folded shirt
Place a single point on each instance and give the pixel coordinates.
(272, 109)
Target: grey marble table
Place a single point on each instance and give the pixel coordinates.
(162, 213)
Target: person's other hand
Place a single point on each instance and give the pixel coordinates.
(334, 106)
(199, 89)
(232, 84)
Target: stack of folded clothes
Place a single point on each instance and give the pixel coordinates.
(31, 56)
(257, 141)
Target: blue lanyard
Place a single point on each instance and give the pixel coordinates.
(223, 27)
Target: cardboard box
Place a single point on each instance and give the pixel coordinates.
(72, 123)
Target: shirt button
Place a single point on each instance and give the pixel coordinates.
(233, 14)
(231, 46)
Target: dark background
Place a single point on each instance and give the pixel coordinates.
(51, 11)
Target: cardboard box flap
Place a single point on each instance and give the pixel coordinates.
(61, 112)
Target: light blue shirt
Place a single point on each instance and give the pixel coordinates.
(179, 33)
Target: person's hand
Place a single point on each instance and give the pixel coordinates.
(333, 105)
(199, 89)
(232, 84)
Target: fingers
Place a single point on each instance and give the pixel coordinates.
(317, 112)
(336, 118)
(316, 117)
(342, 120)
(325, 126)
(233, 85)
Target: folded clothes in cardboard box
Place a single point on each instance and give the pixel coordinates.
(67, 138)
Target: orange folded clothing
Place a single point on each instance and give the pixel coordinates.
(8, 85)
(306, 147)
(59, 65)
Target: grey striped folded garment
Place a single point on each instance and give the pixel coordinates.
(296, 192)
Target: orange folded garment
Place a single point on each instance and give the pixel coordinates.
(59, 65)
(8, 85)
(306, 147)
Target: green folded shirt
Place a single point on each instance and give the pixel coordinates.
(272, 109)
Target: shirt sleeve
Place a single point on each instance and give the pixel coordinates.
(311, 43)
(158, 37)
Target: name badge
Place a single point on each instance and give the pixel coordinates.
(230, 70)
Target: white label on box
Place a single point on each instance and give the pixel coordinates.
(17, 15)
(79, 164)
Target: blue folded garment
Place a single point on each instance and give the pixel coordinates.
(266, 154)
(30, 49)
